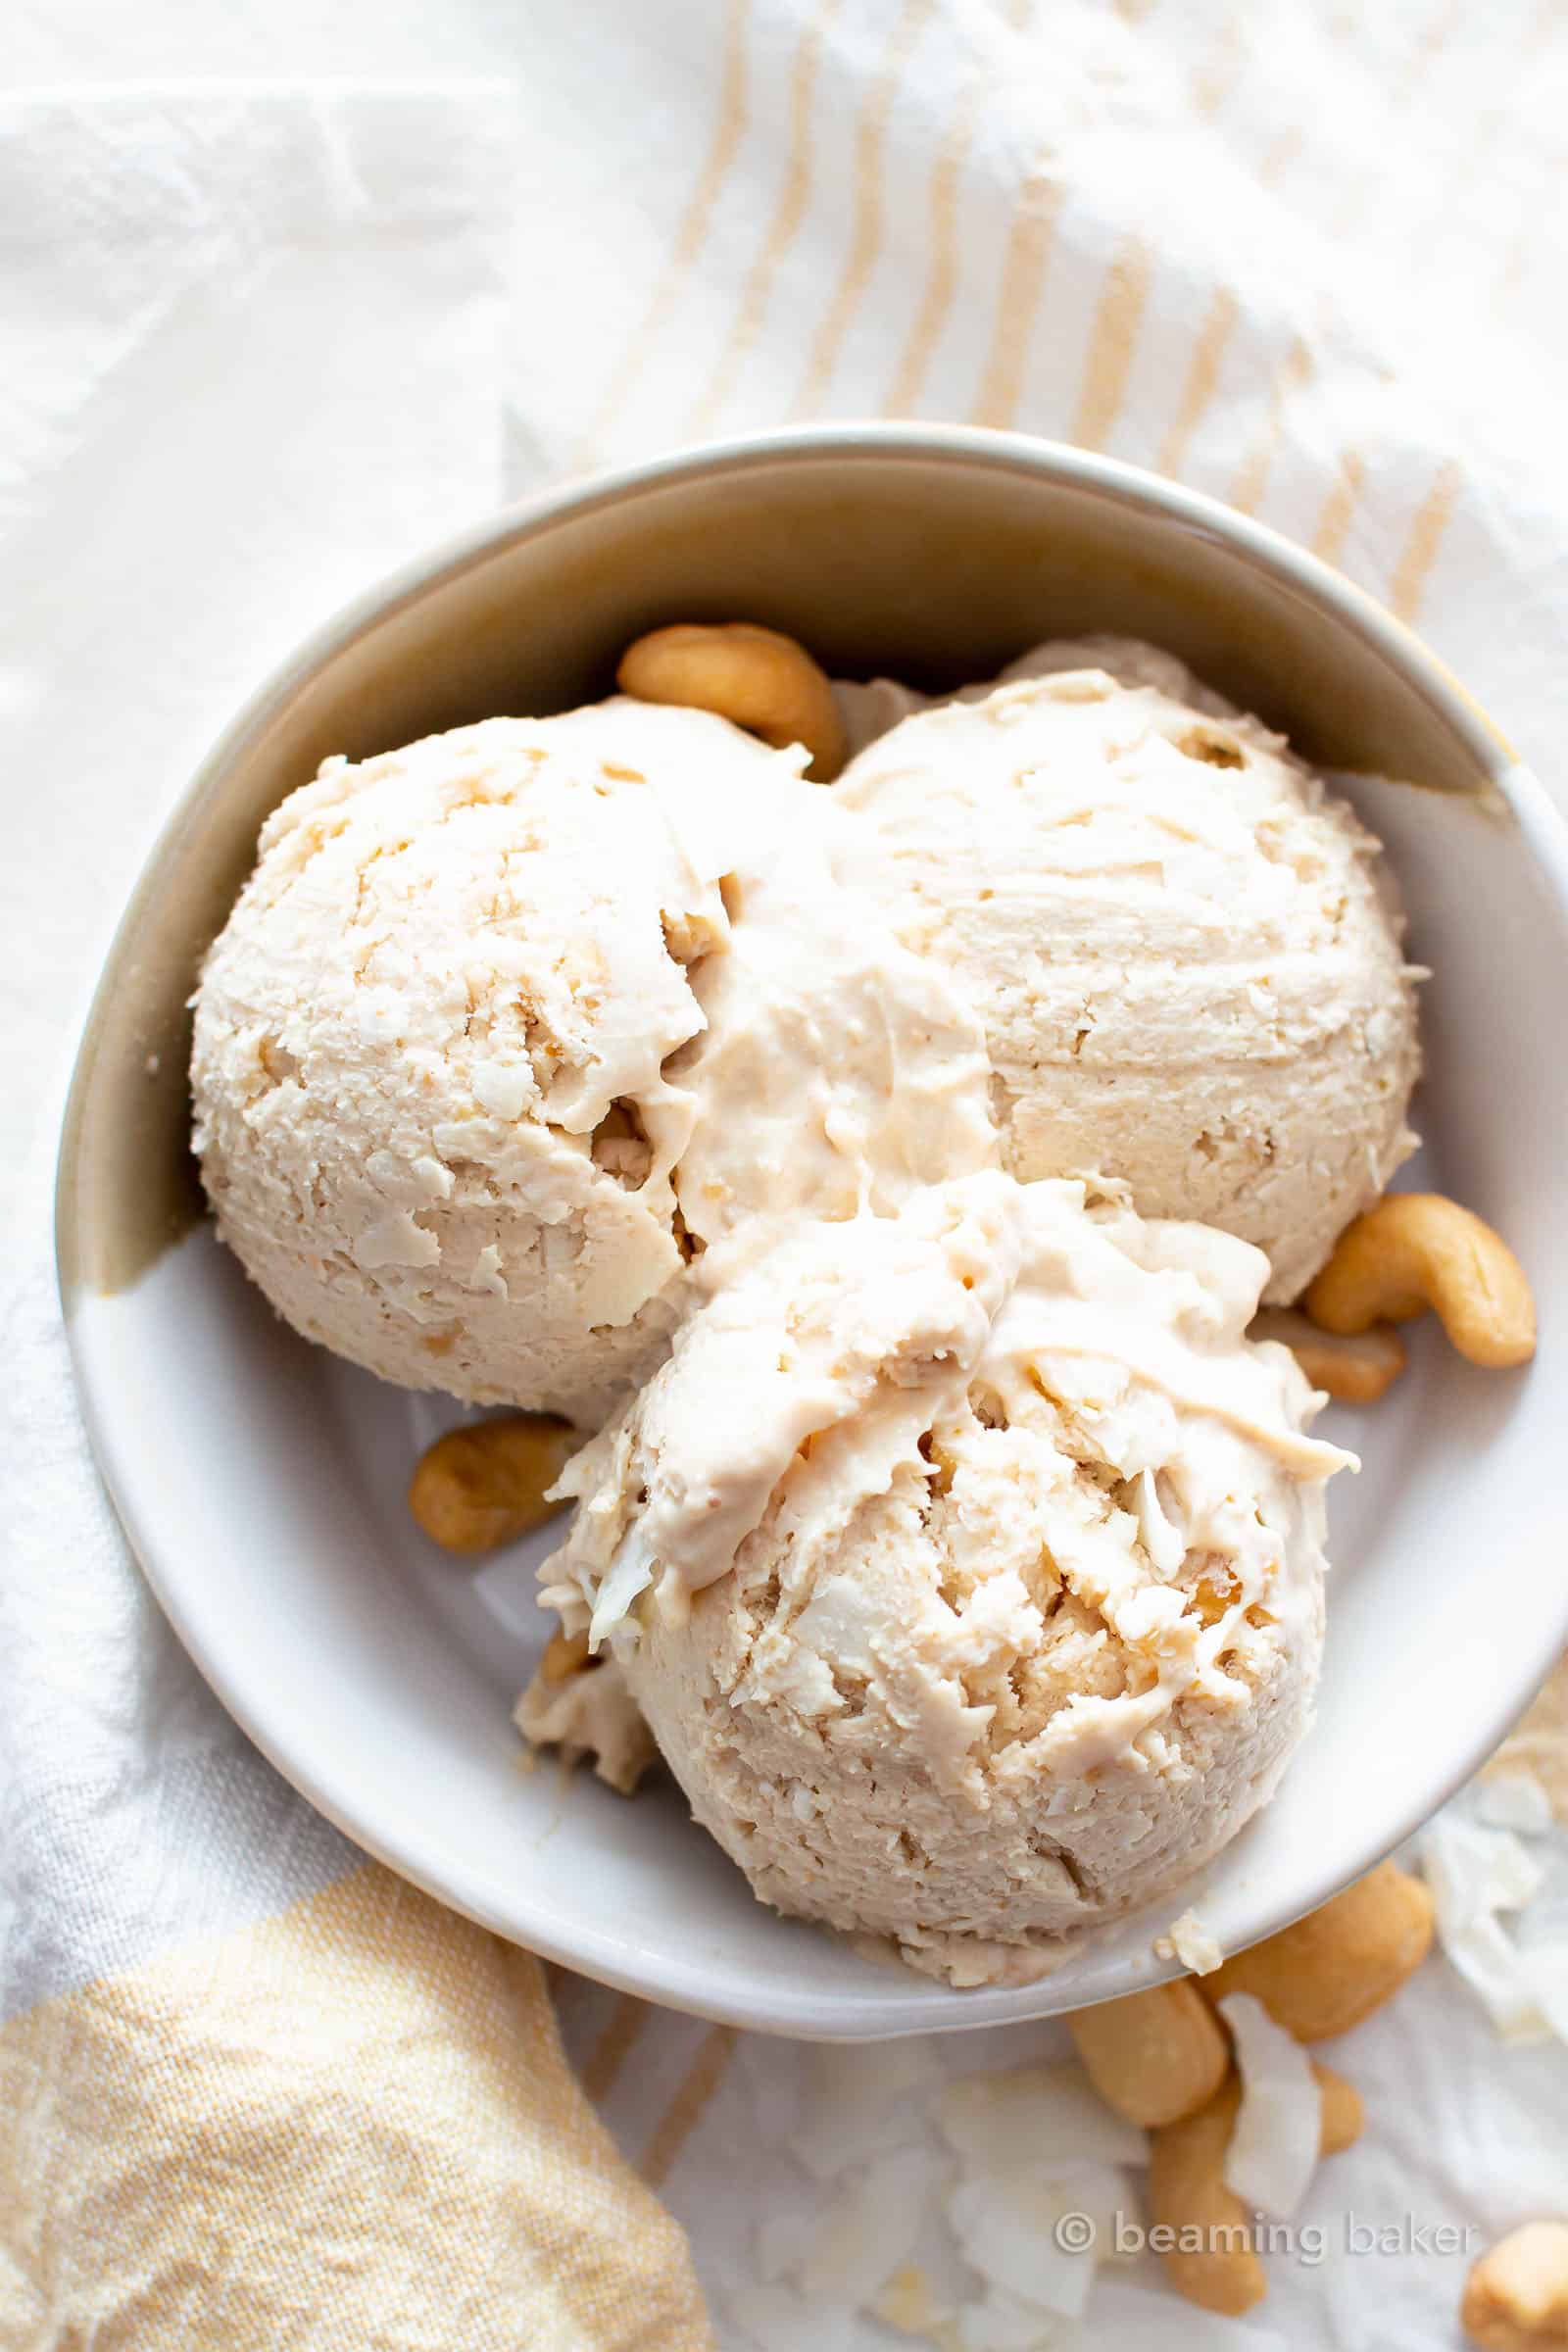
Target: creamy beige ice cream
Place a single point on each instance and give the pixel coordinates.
(967, 1566)
(1186, 952)
(508, 1026)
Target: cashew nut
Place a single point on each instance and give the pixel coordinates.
(1154, 2056)
(1343, 2114)
(1356, 1368)
(1332, 1969)
(479, 1487)
(1417, 1249)
(1516, 2298)
(1211, 2258)
(763, 681)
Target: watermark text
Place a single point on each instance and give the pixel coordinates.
(1123, 2235)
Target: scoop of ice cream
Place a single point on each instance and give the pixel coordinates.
(1186, 952)
(967, 1566)
(509, 1024)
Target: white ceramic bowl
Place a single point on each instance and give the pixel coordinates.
(262, 1482)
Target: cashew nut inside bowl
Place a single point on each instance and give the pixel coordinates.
(1353, 1368)
(764, 682)
(486, 1485)
(1418, 1250)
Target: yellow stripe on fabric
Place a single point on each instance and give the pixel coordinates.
(350, 2125)
(1281, 155)
(610, 2053)
(1339, 508)
(1202, 378)
(686, 2109)
(1218, 78)
(785, 225)
(1247, 491)
(729, 129)
(1525, 248)
(1023, 271)
(1425, 539)
(1436, 38)
(1111, 338)
(866, 242)
(941, 269)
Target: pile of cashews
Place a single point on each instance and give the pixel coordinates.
(1162, 2059)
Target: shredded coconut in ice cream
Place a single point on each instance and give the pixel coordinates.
(509, 1024)
(967, 1566)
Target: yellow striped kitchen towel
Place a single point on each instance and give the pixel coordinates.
(1305, 258)
(350, 2124)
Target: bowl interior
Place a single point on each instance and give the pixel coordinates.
(376, 1674)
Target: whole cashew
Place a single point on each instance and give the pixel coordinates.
(764, 682)
(1332, 1969)
(1357, 1368)
(1418, 1250)
(1154, 2056)
(1209, 2257)
(1219, 2267)
(1516, 2296)
(1343, 2116)
(485, 1485)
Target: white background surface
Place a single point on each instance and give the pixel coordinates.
(1381, 189)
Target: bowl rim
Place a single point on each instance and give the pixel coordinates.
(1543, 834)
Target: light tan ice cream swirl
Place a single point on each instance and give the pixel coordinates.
(967, 1566)
(509, 1024)
(1186, 952)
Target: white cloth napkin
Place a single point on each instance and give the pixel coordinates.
(1306, 260)
(251, 361)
